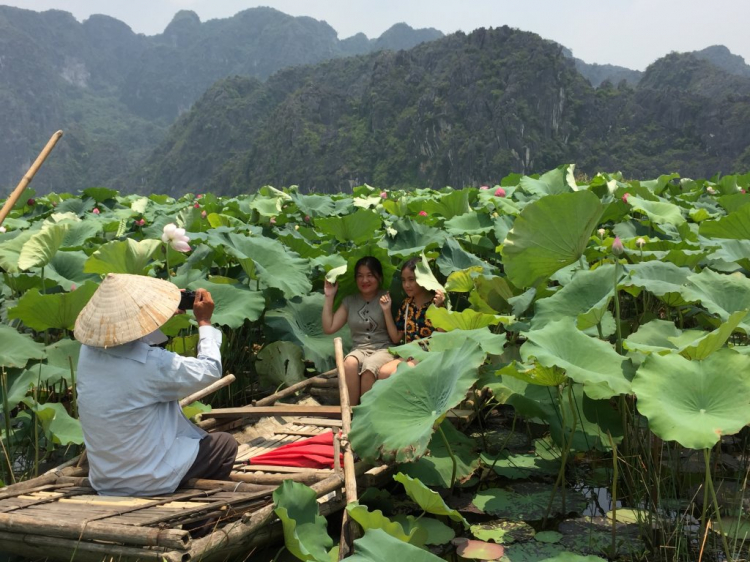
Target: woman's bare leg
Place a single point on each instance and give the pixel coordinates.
(388, 369)
(367, 379)
(351, 370)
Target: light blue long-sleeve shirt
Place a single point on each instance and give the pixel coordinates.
(138, 441)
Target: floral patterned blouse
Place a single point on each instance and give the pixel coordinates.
(411, 320)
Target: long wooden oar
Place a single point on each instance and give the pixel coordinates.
(348, 525)
(16, 194)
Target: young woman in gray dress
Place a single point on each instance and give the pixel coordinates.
(370, 320)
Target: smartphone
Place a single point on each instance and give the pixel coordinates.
(186, 300)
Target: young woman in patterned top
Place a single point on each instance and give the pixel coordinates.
(411, 320)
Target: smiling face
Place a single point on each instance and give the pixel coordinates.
(368, 282)
(409, 283)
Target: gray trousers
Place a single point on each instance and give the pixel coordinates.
(216, 454)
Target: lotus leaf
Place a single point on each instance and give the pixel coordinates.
(280, 362)
(436, 468)
(79, 233)
(57, 423)
(534, 374)
(62, 353)
(658, 212)
(58, 310)
(348, 283)
(126, 256)
(437, 531)
(10, 249)
(42, 246)
(720, 294)
(412, 238)
(469, 223)
(425, 278)
(356, 228)
(299, 321)
(450, 205)
(454, 258)
(517, 467)
(594, 536)
(462, 281)
(660, 278)
(442, 341)
(314, 206)
(17, 349)
(550, 537)
(527, 501)
(99, 194)
(194, 409)
(234, 303)
(305, 533)
(549, 234)
(376, 520)
(527, 399)
(734, 226)
(552, 182)
(396, 418)
(734, 252)
(478, 550)
(66, 268)
(468, 319)
(429, 501)
(503, 532)
(589, 361)
(377, 545)
(694, 402)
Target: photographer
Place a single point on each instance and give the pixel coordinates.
(138, 440)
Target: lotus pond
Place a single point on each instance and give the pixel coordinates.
(596, 333)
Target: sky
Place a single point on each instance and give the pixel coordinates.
(630, 33)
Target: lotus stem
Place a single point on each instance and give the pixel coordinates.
(618, 346)
(709, 480)
(615, 476)
(6, 413)
(564, 456)
(73, 393)
(453, 458)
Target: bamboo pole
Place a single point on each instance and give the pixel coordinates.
(306, 477)
(348, 528)
(270, 400)
(221, 383)
(280, 410)
(16, 193)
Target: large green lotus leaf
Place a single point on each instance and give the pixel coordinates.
(589, 361)
(280, 362)
(734, 226)
(300, 321)
(660, 278)
(694, 402)
(442, 341)
(21, 282)
(454, 258)
(377, 546)
(699, 345)
(428, 500)
(358, 228)
(518, 467)
(196, 267)
(305, 533)
(126, 256)
(548, 235)
(16, 349)
(234, 303)
(57, 423)
(425, 278)
(80, 232)
(58, 310)
(436, 468)
(658, 212)
(528, 400)
(41, 248)
(314, 205)
(99, 194)
(66, 268)
(551, 183)
(653, 337)
(463, 281)
(468, 319)
(736, 251)
(585, 298)
(10, 249)
(448, 206)
(594, 535)
(527, 501)
(376, 520)
(412, 238)
(537, 551)
(396, 418)
(348, 283)
(503, 532)
(273, 263)
(720, 294)
(62, 352)
(20, 384)
(534, 374)
(437, 531)
(496, 294)
(470, 223)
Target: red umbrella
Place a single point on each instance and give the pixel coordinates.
(316, 452)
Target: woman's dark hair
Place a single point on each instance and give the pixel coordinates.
(371, 263)
(411, 264)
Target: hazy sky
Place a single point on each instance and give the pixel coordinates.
(631, 33)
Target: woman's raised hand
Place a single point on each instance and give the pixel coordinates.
(330, 289)
(439, 298)
(385, 302)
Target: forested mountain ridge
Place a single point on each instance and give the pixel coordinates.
(115, 92)
(462, 110)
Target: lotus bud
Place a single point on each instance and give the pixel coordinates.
(601, 232)
(383, 195)
(640, 242)
(31, 202)
(199, 196)
(95, 210)
(625, 197)
(307, 218)
(617, 247)
(742, 191)
(3, 230)
(73, 287)
(141, 222)
(484, 187)
(499, 192)
(711, 190)
(197, 205)
(422, 213)
(273, 220)
(296, 227)
(204, 214)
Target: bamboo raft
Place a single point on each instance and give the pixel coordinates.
(59, 516)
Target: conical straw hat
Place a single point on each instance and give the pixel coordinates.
(125, 308)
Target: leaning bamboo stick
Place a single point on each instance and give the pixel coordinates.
(16, 194)
(348, 529)
(173, 539)
(280, 410)
(270, 400)
(221, 383)
(306, 477)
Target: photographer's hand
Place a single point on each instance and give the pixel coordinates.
(203, 307)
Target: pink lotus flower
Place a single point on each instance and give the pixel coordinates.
(197, 206)
(73, 287)
(199, 196)
(176, 238)
(484, 187)
(625, 197)
(141, 222)
(422, 213)
(742, 191)
(204, 214)
(499, 192)
(383, 195)
(617, 247)
(95, 210)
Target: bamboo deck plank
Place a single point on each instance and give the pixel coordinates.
(322, 422)
(278, 410)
